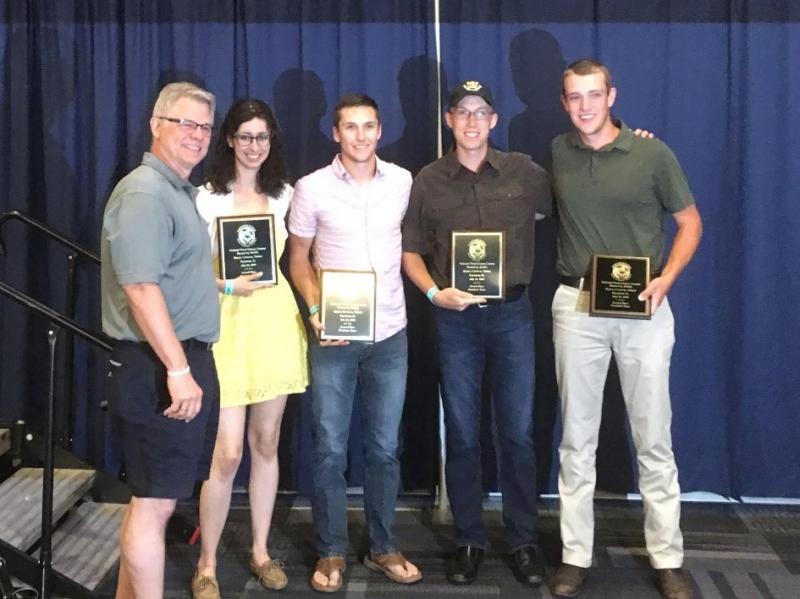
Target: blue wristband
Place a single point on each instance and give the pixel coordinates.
(313, 309)
(228, 287)
(431, 292)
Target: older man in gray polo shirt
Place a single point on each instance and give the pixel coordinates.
(159, 301)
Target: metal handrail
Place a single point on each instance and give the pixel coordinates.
(57, 321)
(98, 339)
(50, 232)
(75, 251)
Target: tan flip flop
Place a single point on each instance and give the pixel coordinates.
(383, 563)
(327, 566)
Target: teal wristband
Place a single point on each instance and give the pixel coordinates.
(228, 287)
(313, 309)
(431, 292)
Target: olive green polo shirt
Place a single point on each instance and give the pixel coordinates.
(504, 195)
(613, 200)
(152, 233)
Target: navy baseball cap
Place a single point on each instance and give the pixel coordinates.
(470, 88)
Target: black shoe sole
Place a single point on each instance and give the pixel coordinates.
(461, 581)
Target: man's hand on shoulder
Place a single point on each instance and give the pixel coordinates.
(455, 299)
(644, 133)
(186, 395)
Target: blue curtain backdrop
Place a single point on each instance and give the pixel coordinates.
(716, 80)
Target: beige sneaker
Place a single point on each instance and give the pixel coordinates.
(204, 587)
(270, 574)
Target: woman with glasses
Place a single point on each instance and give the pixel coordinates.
(261, 354)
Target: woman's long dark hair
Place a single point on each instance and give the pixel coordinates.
(271, 175)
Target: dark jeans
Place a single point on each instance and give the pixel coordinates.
(498, 338)
(380, 370)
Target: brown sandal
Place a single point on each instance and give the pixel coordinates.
(327, 566)
(384, 563)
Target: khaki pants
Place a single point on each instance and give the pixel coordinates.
(642, 349)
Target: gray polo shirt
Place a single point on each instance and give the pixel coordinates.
(613, 200)
(152, 233)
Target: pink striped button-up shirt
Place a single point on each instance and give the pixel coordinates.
(358, 228)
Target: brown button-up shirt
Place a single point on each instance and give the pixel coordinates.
(504, 195)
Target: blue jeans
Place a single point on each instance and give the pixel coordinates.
(380, 370)
(498, 338)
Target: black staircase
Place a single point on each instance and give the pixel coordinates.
(66, 563)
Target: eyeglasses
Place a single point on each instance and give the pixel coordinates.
(188, 126)
(245, 139)
(481, 114)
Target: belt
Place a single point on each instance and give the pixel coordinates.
(576, 282)
(196, 345)
(587, 280)
(187, 344)
(512, 294)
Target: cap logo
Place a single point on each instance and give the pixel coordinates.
(472, 86)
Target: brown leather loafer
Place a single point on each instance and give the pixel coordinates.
(673, 584)
(568, 580)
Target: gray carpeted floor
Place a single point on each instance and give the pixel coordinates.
(732, 551)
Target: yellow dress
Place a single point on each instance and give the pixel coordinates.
(261, 351)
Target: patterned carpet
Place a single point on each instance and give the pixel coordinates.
(732, 551)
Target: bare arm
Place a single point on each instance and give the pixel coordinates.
(303, 275)
(687, 238)
(450, 298)
(305, 280)
(150, 313)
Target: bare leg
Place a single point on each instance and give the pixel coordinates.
(263, 435)
(142, 547)
(124, 586)
(215, 496)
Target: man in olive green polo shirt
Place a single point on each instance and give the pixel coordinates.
(613, 191)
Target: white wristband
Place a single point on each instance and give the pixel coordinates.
(181, 372)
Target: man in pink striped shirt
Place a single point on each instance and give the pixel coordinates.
(349, 213)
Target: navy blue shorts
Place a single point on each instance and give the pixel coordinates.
(163, 457)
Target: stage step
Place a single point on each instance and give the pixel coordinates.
(85, 546)
(5, 440)
(21, 502)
